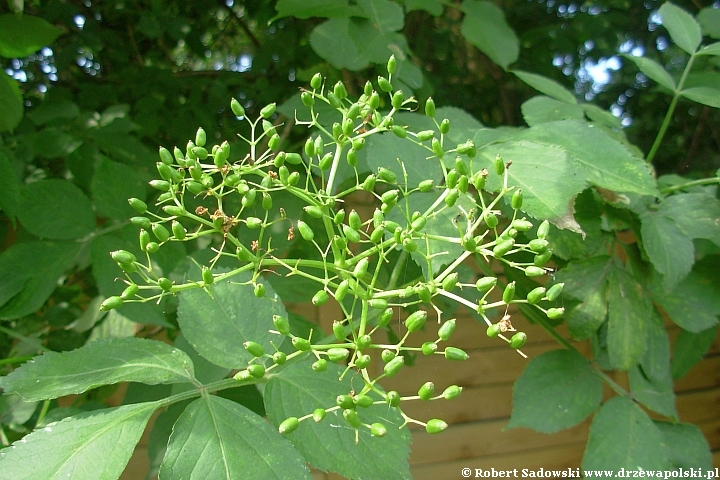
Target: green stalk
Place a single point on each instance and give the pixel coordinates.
(671, 110)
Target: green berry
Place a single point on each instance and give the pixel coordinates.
(429, 348)
(362, 361)
(499, 165)
(542, 258)
(554, 292)
(256, 370)
(319, 415)
(344, 401)
(236, 108)
(397, 99)
(416, 320)
(208, 277)
(351, 417)
(316, 81)
(503, 247)
(446, 330)
(535, 295)
(111, 303)
(450, 281)
(305, 231)
(268, 110)
(123, 256)
(485, 283)
(518, 340)
(279, 358)
(509, 292)
(493, 330)
(281, 324)
(288, 425)
(452, 353)
(543, 230)
(437, 148)
(426, 391)
(391, 65)
(430, 107)
(538, 245)
(378, 303)
(555, 313)
(435, 426)
(451, 392)
(445, 126)
(378, 430)
(320, 365)
(259, 290)
(425, 185)
(301, 344)
(533, 271)
(363, 401)
(165, 283)
(393, 398)
(130, 291)
(517, 199)
(320, 298)
(254, 349)
(338, 354)
(384, 84)
(393, 366)
(452, 197)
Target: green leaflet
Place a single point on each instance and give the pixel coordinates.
(670, 250)
(112, 184)
(91, 446)
(216, 438)
(22, 35)
(623, 436)
(102, 362)
(56, 209)
(217, 326)
(628, 313)
(557, 390)
(330, 445)
(485, 27)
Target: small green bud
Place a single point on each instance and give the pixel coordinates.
(499, 165)
(446, 330)
(338, 354)
(543, 230)
(378, 430)
(437, 148)
(268, 110)
(518, 340)
(435, 426)
(378, 303)
(351, 234)
(521, 225)
(397, 99)
(319, 415)
(200, 137)
(429, 348)
(452, 178)
(555, 313)
(320, 365)
(416, 320)
(385, 317)
(430, 107)
(452, 353)
(450, 281)
(393, 398)
(351, 417)
(362, 361)
(363, 401)
(320, 298)
(288, 425)
(344, 401)
(535, 295)
(316, 81)
(161, 185)
(338, 330)
(342, 290)
(542, 258)
(111, 303)
(517, 199)
(165, 283)
(259, 290)
(254, 349)
(374, 101)
(503, 247)
(493, 330)
(123, 256)
(391, 65)
(237, 109)
(208, 277)
(425, 135)
(554, 292)
(384, 84)
(138, 205)
(509, 292)
(301, 344)
(451, 392)
(393, 366)
(279, 358)
(305, 231)
(452, 197)
(445, 126)
(533, 271)
(160, 232)
(426, 391)
(425, 185)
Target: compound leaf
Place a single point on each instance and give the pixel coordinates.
(693, 304)
(697, 214)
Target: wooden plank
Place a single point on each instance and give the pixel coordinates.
(554, 458)
(474, 403)
(477, 439)
(706, 374)
(711, 430)
(484, 367)
(698, 406)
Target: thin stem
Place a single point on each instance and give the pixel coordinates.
(694, 183)
(671, 110)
